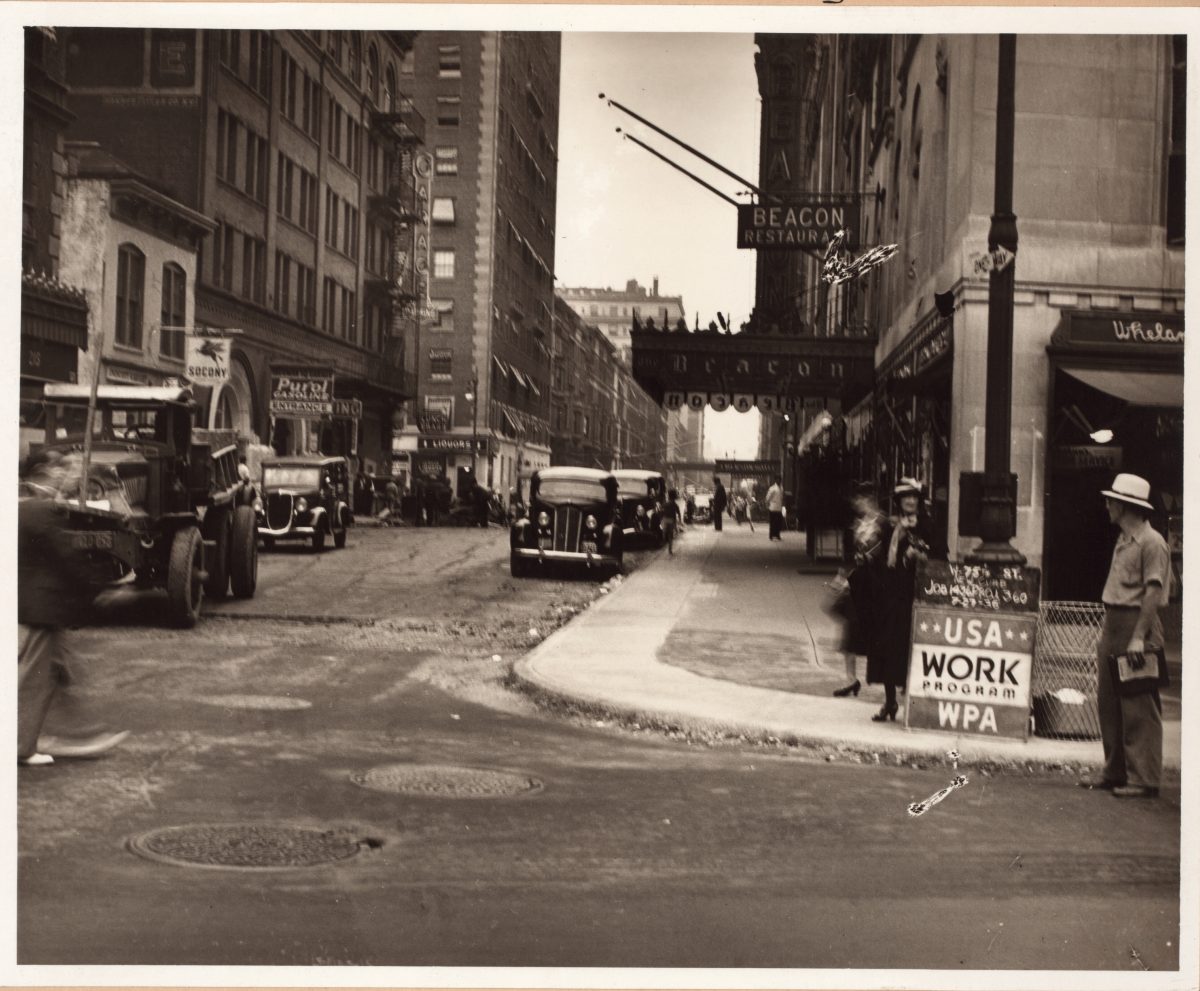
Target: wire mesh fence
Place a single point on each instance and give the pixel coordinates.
(1065, 670)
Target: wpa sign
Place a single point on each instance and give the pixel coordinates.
(971, 661)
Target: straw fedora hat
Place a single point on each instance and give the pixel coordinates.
(1132, 489)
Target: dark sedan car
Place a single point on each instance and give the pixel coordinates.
(572, 518)
(304, 497)
(642, 495)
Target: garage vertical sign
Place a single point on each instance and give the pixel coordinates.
(971, 661)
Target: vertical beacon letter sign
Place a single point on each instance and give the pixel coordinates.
(971, 662)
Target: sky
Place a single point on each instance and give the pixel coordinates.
(624, 214)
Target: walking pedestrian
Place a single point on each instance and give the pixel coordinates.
(908, 540)
(670, 520)
(482, 498)
(52, 594)
(861, 601)
(719, 502)
(775, 508)
(690, 509)
(1138, 586)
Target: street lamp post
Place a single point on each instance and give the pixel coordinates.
(997, 510)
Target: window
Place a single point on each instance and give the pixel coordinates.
(306, 294)
(445, 160)
(284, 189)
(310, 111)
(440, 364)
(389, 91)
(259, 76)
(308, 201)
(443, 264)
(131, 284)
(373, 73)
(440, 404)
(334, 138)
(374, 160)
(229, 49)
(329, 307)
(283, 282)
(223, 257)
(331, 217)
(350, 231)
(449, 62)
(353, 149)
(288, 72)
(349, 326)
(256, 167)
(254, 268)
(174, 311)
(227, 146)
(443, 210)
(355, 58)
(443, 314)
(449, 111)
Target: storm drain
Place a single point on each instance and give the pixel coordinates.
(245, 846)
(256, 701)
(446, 781)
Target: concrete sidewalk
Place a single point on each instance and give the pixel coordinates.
(721, 594)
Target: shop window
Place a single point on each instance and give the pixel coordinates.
(131, 286)
(174, 311)
(445, 160)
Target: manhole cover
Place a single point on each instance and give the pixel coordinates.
(446, 781)
(256, 701)
(259, 847)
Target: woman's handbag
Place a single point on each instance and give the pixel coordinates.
(838, 602)
(1139, 673)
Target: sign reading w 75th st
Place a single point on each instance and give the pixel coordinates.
(797, 222)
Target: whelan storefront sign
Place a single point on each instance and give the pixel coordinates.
(797, 223)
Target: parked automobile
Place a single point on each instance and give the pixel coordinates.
(642, 495)
(572, 517)
(304, 497)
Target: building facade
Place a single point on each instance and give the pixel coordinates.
(909, 123)
(482, 355)
(293, 144)
(600, 417)
(54, 314)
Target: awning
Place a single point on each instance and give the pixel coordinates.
(1136, 388)
(500, 365)
(518, 376)
(513, 427)
(533, 386)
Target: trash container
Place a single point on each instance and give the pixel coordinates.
(1065, 670)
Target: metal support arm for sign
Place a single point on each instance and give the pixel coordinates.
(674, 165)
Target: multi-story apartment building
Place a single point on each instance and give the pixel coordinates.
(613, 311)
(1097, 373)
(600, 417)
(295, 144)
(54, 315)
(483, 357)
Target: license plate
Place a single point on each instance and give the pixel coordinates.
(92, 541)
(589, 546)
(544, 543)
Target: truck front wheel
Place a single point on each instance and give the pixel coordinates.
(243, 553)
(185, 589)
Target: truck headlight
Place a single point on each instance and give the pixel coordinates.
(543, 518)
(301, 504)
(590, 522)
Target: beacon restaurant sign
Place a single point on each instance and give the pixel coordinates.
(806, 222)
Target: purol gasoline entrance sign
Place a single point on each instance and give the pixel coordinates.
(971, 660)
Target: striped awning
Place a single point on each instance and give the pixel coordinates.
(518, 376)
(501, 366)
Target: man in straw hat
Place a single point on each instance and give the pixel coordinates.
(1139, 582)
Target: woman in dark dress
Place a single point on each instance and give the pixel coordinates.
(859, 606)
(907, 539)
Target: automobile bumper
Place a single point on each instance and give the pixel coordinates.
(287, 531)
(590, 559)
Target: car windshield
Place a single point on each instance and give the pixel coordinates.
(291, 477)
(557, 490)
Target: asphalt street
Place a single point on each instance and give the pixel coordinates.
(356, 713)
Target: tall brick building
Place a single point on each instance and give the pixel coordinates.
(490, 100)
(298, 146)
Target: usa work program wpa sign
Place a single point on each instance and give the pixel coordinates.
(971, 662)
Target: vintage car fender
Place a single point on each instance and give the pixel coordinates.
(316, 515)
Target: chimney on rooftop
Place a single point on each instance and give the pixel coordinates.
(655, 292)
